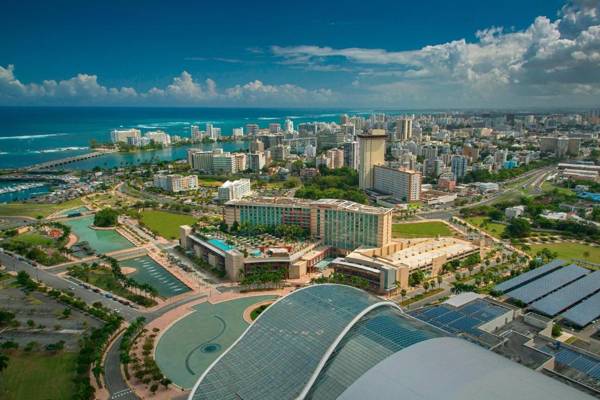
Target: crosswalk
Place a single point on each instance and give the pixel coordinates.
(121, 394)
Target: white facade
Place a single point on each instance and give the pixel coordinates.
(234, 190)
(176, 183)
(403, 185)
(123, 135)
(159, 137)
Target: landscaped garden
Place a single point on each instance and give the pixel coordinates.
(164, 223)
(43, 243)
(493, 228)
(421, 229)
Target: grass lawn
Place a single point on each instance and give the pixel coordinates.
(549, 187)
(164, 223)
(38, 376)
(209, 182)
(493, 228)
(33, 239)
(420, 229)
(35, 210)
(569, 251)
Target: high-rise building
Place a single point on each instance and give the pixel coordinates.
(340, 224)
(459, 166)
(310, 151)
(402, 184)
(289, 126)
(195, 133)
(176, 183)
(159, 137)
(351, 155)
(280, 152)
(274, 127)
(257, 146)
(371, 148)
(404, 129)
(252, 129)
(237, 132)
(433, 167)
(256, 161)
(429, 152)
(122, 135)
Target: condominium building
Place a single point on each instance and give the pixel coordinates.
(256, 161)
(275, 127)
(560, 146)
(256, 146)
(372, 152)
(252, 129)
(288, 126)
(280, 152)
(176, 183)
(159, 137)
(216, 161)
(234, 190)
(459, 167)
(351, 155)
(122, 135)
(402, 184)
(341, 224)
(404, 129)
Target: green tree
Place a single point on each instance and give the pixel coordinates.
(3, 362)
(518, 228)
(106, 217)
(556, 330)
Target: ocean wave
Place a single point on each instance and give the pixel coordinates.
(268, 118)
(59, 149)
(3, 153)
(39, 136)
(161, 125)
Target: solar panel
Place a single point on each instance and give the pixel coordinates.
(529, 276)
(560, 300)
(584, 312)
(548, 283)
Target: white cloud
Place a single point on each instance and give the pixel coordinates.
(85, 89)
(549, 60)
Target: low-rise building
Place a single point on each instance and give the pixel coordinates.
(514, 212)
(234, 190)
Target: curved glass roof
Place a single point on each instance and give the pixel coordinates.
(378, 335)
(282, 351)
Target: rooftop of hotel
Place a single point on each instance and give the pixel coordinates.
(422, 253)
(322, 203)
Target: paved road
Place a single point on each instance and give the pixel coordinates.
(90, 297)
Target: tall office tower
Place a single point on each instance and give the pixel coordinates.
(256, 146)
(195, 133)
(274, 127)
(459, 167)
(371, 148)
(404, 129)
(252, 129)
(289, 126)
(351, 155)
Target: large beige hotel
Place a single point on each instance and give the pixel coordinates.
(341, 224)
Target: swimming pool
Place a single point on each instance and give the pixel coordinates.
(220, 243)
(150, 272)
(102, 241)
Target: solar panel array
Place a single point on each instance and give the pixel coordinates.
(581, 362)
(584, 312)
(463, 319)
(548, 283)
(563, 298)
(529, 276)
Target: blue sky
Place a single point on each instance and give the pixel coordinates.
(264, 53)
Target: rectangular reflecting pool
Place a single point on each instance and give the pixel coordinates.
(102, 241)
(150, 272)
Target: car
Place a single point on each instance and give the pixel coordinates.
(108, 295)
(96, 290)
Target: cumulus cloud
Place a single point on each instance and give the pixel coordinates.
(85, 89)
(556, 60)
